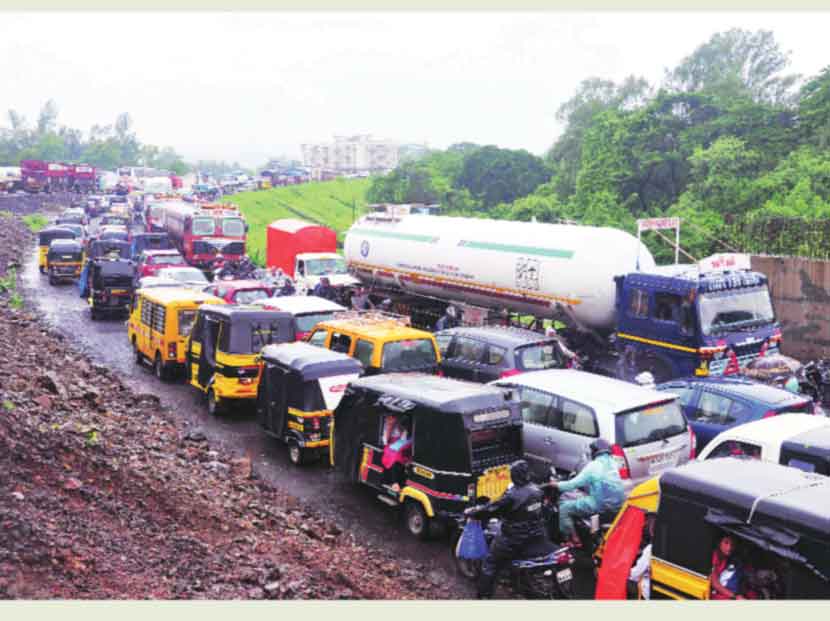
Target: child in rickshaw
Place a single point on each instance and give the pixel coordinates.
(397, 451)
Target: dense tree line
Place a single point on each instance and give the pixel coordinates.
(104, 146)
(726, 140)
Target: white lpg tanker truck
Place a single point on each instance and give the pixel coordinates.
(623, 313)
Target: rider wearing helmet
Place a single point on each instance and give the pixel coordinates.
(605, 490)
(522, 527)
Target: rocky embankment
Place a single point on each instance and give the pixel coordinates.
(104, 493)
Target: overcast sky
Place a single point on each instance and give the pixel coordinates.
(245, 86)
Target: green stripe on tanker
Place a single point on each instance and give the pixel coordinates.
(429, 239)
(542, 252)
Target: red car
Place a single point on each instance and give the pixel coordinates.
(240, 291)
(151, 261)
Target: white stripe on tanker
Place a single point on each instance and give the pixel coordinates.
(499, 263)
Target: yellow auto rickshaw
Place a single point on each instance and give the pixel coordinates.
(223, 350)
(777, 517)
(47, 236)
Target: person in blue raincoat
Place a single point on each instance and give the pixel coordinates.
(605, 490)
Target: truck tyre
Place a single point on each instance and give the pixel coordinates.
(137, 357)
(417, 522)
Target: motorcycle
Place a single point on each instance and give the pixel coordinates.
(814, 381)
(546, 576)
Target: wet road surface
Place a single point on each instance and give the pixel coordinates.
(351, 506)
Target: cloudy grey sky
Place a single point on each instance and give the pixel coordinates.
(249, 85)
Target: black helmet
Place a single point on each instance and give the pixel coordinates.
(520, 472)
(600, 446)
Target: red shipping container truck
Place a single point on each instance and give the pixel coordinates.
(288, 238)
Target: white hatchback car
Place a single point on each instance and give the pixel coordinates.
(798, 440)
(565, 410)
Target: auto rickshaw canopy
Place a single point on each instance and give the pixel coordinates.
(251, 327)
(66, 247)
(112, 273)
(48, 235)
(448, 416)
(811, 448)
(102, 247)
(777, 508)
(311, 362)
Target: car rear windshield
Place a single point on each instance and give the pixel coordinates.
(250, 295)
(649, 423)
(251, 337)
(537, 357)
(409, 354)
(186, 319)
(305, 323)
(804, 407)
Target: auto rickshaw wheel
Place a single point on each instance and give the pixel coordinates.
(295, 453)
(417, 522)
(52, 280)
(137, 357)
(93, 314)
(42, 269)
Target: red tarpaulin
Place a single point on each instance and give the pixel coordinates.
(619, 554)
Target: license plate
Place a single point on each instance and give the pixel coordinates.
(564, 576)
(118, 291)
(658, 465)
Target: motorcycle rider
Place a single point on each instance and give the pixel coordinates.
(522, 527)
(605, 490)
(447, 320)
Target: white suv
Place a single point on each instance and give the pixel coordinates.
(565, 410)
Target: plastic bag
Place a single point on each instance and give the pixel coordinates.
(472, 545)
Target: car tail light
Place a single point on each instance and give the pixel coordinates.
(509, 373)
(564, 557)
(692, 443)
(439, 373)
(769, 413)
(622, 463)
(171, 350)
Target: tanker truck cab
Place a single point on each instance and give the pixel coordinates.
(711, 318)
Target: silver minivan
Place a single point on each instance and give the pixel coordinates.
(565, 410)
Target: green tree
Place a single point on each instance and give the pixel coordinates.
(736, 63)
(814, 110)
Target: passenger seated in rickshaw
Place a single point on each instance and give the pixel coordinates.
(397, 450)
(727, 571)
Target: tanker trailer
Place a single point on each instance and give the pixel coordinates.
(624, 313)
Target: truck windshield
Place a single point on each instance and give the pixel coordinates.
(203, 226)
(233, 227)
(734, 308)
(322, 267)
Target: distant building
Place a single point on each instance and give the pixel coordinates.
(397, 210)
(351, 155)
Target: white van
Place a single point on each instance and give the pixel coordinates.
(565, 410)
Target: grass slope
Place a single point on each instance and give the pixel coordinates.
(328, 203)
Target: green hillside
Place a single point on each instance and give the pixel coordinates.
(329, 203)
